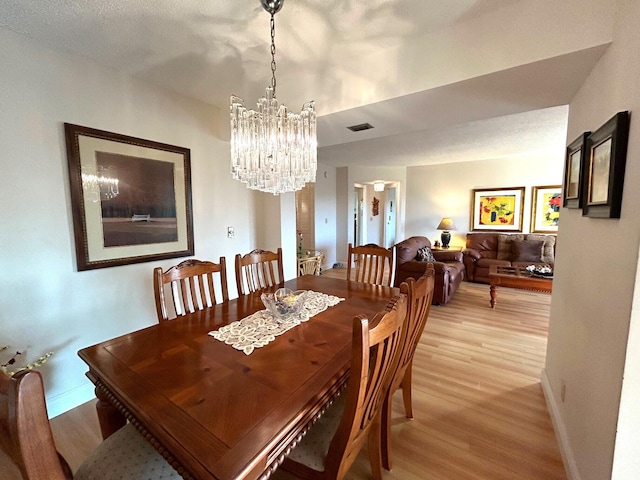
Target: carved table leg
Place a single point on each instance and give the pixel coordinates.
(494, 294)
(110, 419)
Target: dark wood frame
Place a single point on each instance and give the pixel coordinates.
(83, 221)
(579, 145)
(615, 129)
(486, 192)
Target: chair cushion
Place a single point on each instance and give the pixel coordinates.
(313, 448)
(425, 255)
(504, 245)
(527, 250)
(126, 455)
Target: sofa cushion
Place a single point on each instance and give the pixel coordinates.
(425, 255)
(406, 250)
(504, 245)
(527, 250)
(548, 250)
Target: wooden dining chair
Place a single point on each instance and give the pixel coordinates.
(257, 270)
(27, 440)
(331, 445)
(310, 265)
(371, 264)
(419, 295)
(191, 286)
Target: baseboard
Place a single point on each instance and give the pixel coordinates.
(570, 466)
(64, 402)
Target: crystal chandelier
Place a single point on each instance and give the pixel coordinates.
(272, 149)
(101, 186)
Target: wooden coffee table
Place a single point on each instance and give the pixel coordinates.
(516, 277)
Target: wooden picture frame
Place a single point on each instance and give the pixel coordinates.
(497, 209)
(574, 167)
(605, 166)
(130, 198)
(545, 208)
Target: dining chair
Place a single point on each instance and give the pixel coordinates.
(419, 295)
(27, 440)
(372, 263)
(332, 444)
(191, 286)
(311, 265)
(255, 270)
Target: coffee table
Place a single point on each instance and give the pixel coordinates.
(516, 277)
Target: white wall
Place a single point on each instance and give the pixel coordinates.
(45, 303)
(591, 308)
(438, 191)
(325, 213)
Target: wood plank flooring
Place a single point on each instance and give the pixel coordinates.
(479, 409)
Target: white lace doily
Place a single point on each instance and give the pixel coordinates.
(261, 328)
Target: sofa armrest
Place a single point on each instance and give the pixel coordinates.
(450, 256)
(471, 253)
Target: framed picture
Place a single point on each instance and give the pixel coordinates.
(497, 209)
(604, 173)
(573, 172)
(545, 209)
(130, 198)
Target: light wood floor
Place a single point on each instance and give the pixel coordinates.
(479, 409)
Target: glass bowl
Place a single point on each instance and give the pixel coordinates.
(284, 304)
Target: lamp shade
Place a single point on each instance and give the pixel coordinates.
(446, 224)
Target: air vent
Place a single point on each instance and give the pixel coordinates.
(359, 128)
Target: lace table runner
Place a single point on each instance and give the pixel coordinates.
(261, 328)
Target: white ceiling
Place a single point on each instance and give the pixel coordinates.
(209, 49)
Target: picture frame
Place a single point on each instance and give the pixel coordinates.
(497, 209)
(603, 180)
(545, 208)
(572, 193)
(130, 198)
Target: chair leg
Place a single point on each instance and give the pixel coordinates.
(406, 391)
(385, 430)
(375, 447)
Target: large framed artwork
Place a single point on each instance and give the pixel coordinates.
(497, 209)
(130, 198)
(545, 208)
(604, 175)
(574, 171)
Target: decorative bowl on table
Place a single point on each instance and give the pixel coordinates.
(284, 304)
(544, 271)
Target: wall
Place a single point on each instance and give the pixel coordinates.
(591, 310)
(45, 303)
(325, 213)
(438, 191)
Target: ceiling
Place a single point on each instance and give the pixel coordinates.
(335, 52)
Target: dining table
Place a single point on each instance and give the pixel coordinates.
(215, 412)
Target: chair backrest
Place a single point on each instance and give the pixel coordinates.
(371, 263)
(376, 348)
(191, 286)
(255, 270)
(419, 295)
(310, 265)
(25, 432)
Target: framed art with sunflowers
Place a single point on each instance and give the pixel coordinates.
(497, 209)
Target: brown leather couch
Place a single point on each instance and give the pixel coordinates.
(449, 267)
(487, 249)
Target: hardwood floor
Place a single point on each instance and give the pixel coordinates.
(479, 409)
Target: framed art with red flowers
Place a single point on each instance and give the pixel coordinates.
(545, 208)
(497, 209)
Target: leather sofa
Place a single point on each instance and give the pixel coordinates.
(486, 249)
(449, 267)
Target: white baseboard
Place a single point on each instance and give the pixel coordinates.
(71, 399)
(570, 466)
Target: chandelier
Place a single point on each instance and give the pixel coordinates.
(272, 149)
(100, 186)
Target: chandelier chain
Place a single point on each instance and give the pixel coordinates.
(273, 53)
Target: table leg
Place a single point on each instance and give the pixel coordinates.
(110, 419)
(493, 292)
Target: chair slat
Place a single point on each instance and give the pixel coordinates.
(257, 270)
(371, 262)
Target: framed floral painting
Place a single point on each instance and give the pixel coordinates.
(545, 209)
(497, 209)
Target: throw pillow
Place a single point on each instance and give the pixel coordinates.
(425, 255)
(504, 245)
(527, 250)
(548, 250)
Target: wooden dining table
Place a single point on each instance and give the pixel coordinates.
(214, 412)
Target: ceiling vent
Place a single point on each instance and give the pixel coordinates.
(359, 128)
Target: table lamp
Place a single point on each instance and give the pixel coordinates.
(445, 225)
